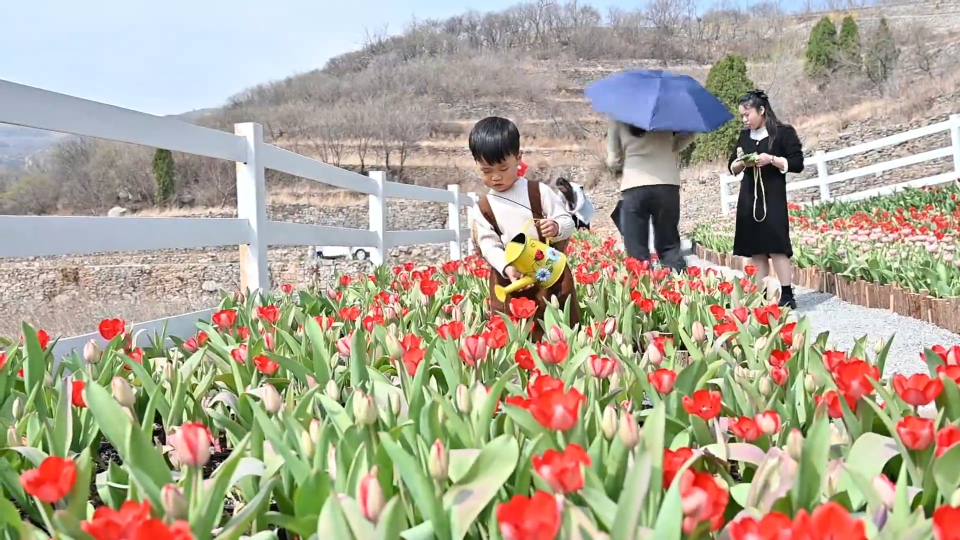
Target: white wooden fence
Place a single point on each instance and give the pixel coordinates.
(824, 179)
(32, 236)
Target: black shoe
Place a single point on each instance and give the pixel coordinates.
(790, 302)
(786, 297)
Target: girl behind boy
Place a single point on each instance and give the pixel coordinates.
(514, 205)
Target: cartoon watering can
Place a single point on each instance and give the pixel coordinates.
(540, 264)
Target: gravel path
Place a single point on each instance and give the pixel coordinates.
(847, 322)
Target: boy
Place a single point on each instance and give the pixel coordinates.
(510, 204)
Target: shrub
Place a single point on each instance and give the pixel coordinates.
(728, 81)
(164, 175)
(849, 44)
(822, 49)
(881, 55)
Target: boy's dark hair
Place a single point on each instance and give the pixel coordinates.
(494, 139)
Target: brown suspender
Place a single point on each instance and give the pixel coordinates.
(536, 208)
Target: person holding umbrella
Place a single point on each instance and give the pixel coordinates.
(765, 152)
(654, 115)
(648, 165)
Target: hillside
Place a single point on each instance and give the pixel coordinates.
(406, 102)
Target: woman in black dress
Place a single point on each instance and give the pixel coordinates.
(763, 227)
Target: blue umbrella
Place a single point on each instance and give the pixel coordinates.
(657, 100)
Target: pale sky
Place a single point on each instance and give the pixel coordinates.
(174, 56)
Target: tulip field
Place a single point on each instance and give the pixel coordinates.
(391, 406)
(910, 239)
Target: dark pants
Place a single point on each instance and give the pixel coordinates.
(661, 203)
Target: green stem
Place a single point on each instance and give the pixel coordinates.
(45, 511)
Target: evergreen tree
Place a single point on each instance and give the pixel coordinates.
(164, 173)
(822, 49)
(728, 81)
(849, 44)
(881, 54)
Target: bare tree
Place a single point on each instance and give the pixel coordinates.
(412, 122)
(923, 54)
(359, 130)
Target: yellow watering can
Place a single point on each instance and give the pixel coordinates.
(540, 264)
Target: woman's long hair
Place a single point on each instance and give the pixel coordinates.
(757, 100)
(634, 130)
(563, 185)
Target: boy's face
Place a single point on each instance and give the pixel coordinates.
(500, 176)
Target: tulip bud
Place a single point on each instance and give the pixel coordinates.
(332, 390)
(838, 436)
(174, 505)
(395, 405)
(17, 409)
(192, 443)
(653, 356)
(272, 401)
(441, 416)
(879, 345)
(885, 490)
(364, 409)
(464, 403)
(768, 422)
(699, 332)
(955, 498)
(555, 334)
(795, 444)
(371, 497)
(394, 348)
(91, 352)
(315, 430)
(169, 374)
(741, 374)
(344, 344)
(306, 444)
(766, 387)
(12, 438)
(332, 462)
(810, 383)
(608, 423)
(439, 461)
(798, 340)
(311, 382)
(122, 392)
(760, 344)
(628, 430)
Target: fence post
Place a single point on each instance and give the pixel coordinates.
(453, 222)
(470, 247)
(252, 206)
(955, 141)
(724, 194)
(823, 174)
(378, 218)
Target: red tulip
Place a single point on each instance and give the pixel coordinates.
(915, 433)
(562, 471)
(662, 380)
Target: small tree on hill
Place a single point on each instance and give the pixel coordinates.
(822, 49)
(728, 81)
(164, 174)
(881, 55)
(849, 45)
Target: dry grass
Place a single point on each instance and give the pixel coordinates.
(912, 102)
(82, 315)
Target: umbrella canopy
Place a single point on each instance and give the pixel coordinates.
(657, 100)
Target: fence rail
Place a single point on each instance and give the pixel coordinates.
(824, 179)
(32, 236)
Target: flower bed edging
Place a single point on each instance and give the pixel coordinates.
(944, 313)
